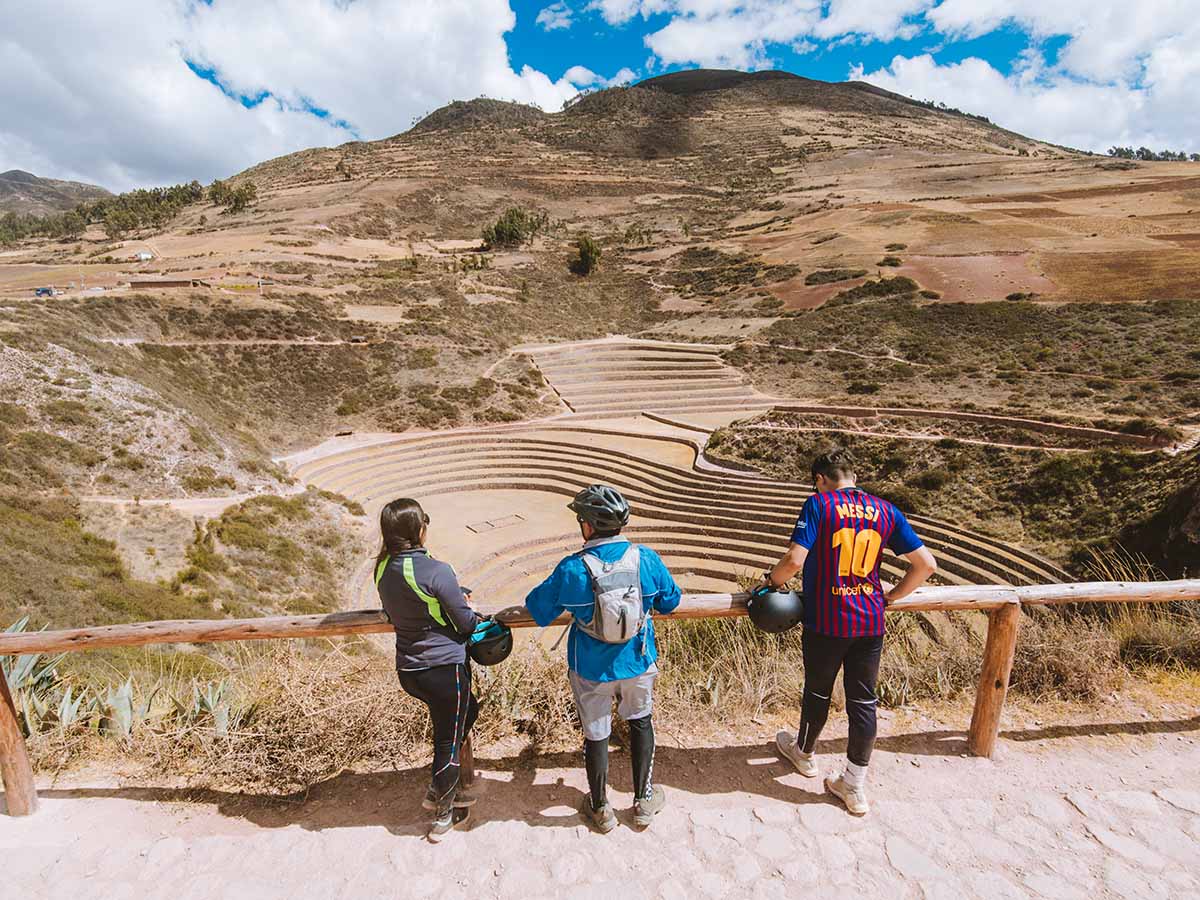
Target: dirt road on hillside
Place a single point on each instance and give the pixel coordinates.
(1092, 810)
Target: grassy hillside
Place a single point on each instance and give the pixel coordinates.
(1063, 505)
(1127, 360)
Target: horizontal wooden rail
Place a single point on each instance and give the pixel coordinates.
(1001, 602)
(692, 606)
(368, 621)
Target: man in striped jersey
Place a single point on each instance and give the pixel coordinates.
(838, 541)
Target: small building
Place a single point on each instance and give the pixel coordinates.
(168, 283)
(144, 256)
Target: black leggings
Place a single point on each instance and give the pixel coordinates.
(858, 658)
(641, 754)
(446, 690)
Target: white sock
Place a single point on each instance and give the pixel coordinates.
(855, 776)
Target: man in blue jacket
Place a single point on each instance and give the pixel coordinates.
(610, 588)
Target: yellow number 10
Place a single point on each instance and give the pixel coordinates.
(858, 551)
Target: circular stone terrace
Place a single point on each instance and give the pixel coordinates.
(637, 415)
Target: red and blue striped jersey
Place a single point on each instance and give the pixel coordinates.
(845, 532)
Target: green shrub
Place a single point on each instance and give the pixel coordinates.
(205, 478)
(12, 414)
(589, 255)
(515, 226)
(933, 479)
(68, 412)
(892, 261)
(880, 287)
(829, 276)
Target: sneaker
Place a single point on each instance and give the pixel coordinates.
(444, 824)
(645, 809)
(854, 798)
(463, 798)
(785, 743)
(603, 819)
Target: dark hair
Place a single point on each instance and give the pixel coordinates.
(400, 524)
(836, 464)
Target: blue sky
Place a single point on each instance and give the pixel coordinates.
(606, 49)
(205, 88)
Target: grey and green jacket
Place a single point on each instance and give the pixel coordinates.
(426, 606)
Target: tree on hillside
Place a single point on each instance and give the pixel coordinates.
(118, 223)
(515, 227)
(218, 193)
(241, 197)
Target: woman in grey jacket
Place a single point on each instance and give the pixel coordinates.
(433, 623)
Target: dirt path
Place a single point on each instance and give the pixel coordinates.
(1092, 810)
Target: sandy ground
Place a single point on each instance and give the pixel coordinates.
(1096, 809)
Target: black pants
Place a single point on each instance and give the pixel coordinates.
(858, 658)
(446, 690)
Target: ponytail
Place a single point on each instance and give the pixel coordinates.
(401, 524)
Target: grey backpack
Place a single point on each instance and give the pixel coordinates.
(618, 614)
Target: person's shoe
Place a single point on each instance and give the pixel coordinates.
(646, 808)
(603, 819)
(447, 822)
(855, 799)
(785, 743)
(463, 798)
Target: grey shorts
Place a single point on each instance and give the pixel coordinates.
(594, 700)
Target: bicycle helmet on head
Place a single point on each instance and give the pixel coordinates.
(602, 507)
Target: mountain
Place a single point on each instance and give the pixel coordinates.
(21, 192)
(725, 120)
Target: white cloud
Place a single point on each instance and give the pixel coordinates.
(583, 77)
(880, 19)
(555, 16)
(1107, 38)
(102, 92)
(1053, 106)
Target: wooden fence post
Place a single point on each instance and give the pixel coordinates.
(19, 791)
(993, 679)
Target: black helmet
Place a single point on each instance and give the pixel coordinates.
(491, 643)
(775, 611)
(602, 507)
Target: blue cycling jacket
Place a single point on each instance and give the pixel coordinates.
(568, 589)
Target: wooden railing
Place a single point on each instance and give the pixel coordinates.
(1001, 603)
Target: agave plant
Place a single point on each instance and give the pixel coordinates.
(74, 710)
(29, 671)
(117, 710)
(31, 677)
(211, 703)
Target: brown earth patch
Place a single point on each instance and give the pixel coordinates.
(795, 294)
(1133, 275)
(1189, 239)
(1034, 212)
(1114, 190)
(1011, 198)
(977, 278)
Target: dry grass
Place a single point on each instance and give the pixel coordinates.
(289, 715)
